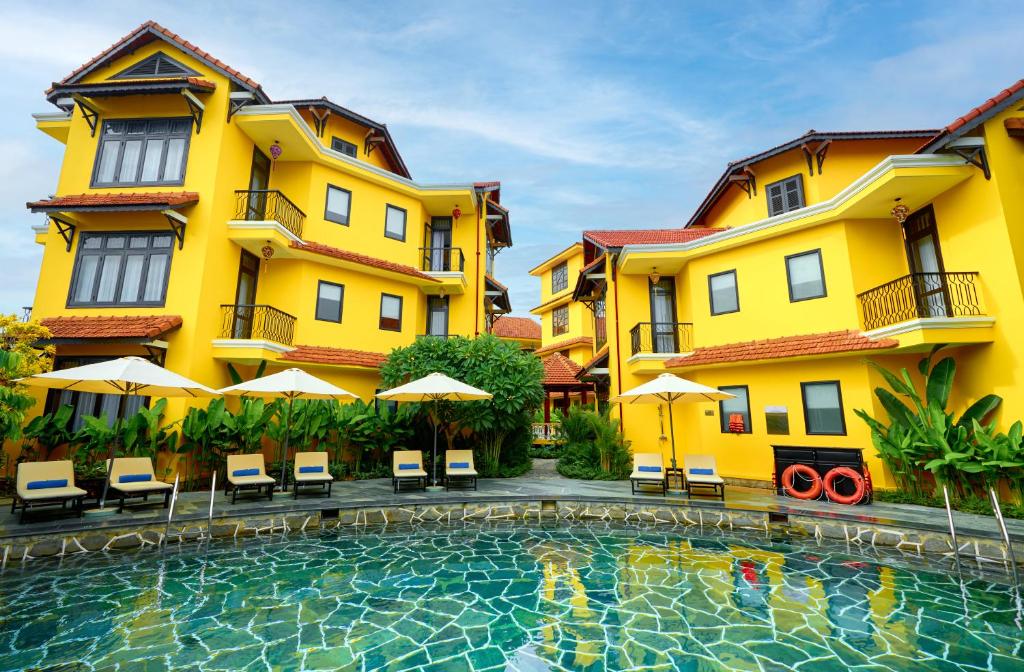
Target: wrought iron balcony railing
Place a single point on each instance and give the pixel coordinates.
(269, 204)
(661, 337)
(440, 259)
(257, 321)
(921, 295)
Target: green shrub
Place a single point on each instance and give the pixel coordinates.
(593, 447)
(968, 505)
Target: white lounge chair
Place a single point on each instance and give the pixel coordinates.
(134, 477)
(46, 483)
(408, 466)
(311, 469)
(648, 469)
(248, 472)
(702, 472)
(459, 469)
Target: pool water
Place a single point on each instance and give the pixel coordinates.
(503, 598)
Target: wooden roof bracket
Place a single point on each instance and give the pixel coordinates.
(237, 100)
(816, 155)
(66, 229)
(89, 113)
(372, 141)
(177, 222)
(972, 150)
(195, 108)
(745, 180)
(320, 117)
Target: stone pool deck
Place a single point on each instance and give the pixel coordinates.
(912, 529)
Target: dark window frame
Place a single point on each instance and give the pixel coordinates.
(821, 270)
(143, 138)
(405, 221)
(127, 250)
(561, 273)
(53, 402)
(554, 322)
(341, 302)
(344, 145)
(447, 306)
(380, 314)
(839, 397)
(736, 291)
(782, 184)
(336, 217)
(723, 419)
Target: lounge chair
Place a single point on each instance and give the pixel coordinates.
(46, 483)
(648, 469)
(459, 469)
(408, 466)
(248, 472)
(702, 472)
(134, 477)
(311, 469)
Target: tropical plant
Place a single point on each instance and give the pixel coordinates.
(22, 339)
(14, 401)
(1001, 455)
(594, 448)
(142, 435)
(51, 430)
(247, 426)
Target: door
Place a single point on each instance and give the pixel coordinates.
(245, 295)
(259, 182)
(437, 316)
(928, 277)
(663, 316)
(440, 243)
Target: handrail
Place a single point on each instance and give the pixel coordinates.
(921, 295)
(170, 510)
(661, 337)
(269, 204)
(255, 320)
(440, 259)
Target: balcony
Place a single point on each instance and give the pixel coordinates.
(267, 211)
(929, 308)
(446, 264)
(654, 342)
(253, 332)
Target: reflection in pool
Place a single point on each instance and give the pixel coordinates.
(503, 598)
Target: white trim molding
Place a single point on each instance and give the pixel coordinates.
(925, 323)
(656, 356)
(263, 225)
(241, 343)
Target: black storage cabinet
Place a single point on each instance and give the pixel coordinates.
(821, 460)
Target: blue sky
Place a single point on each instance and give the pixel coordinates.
(592, 114)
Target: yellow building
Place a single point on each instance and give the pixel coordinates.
(198, 222)
(803, 262)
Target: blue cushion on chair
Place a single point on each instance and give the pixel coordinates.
(318, 469)
(458, 465)
(647, 467)
(411, 465)
(702, 471)
(135, 478)
(246, 472)
(52, 483)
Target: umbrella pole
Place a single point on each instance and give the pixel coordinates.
(433, 457)
(122, 403)
(672, 434)
(287, 431)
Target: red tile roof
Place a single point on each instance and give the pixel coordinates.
(136, 326)
(107, 201)
(561, 345)
(516, 327)
(146, 33)
(142, 81)
(621, 237)
(559, 370)
(355, 257)
(312, 354)
(494, 281)
(1009, 91)
(807, 345)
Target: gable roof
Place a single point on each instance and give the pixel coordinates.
(976, 116)
(524, 328)
(812, 135)
(151, 31)
(560, 371)
(611, 239)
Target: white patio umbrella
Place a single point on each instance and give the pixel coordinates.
(433, 388)
(669, 389)
(125, 376)
(290, 384)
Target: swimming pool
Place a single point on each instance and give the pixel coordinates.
(580, 597)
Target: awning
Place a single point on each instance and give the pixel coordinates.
(496, 296)
(109, 329)
(131, 87)
(108, 202)
(588, 283)
(311, 354)
(497, 220)
(597, 367)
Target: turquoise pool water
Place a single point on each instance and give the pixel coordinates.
(502, 598)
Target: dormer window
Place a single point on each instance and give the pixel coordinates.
(344, 146)
(159, 65)
(785, 195)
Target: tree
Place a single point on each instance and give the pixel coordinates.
(501, 368)
(21, 338)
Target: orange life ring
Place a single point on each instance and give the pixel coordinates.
(860, 486)
(808, 473)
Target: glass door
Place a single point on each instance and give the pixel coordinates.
(259, 182)
(245, 295)
(440, 243)
(663, 316)
(924, 257)
(437, 316)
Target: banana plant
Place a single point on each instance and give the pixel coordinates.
(51, 430)
(1001, 455)
(249, 424)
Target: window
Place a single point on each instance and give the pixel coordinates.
(735, 410)
(142, 152)
(559, 321)
(121, 269)
(394, 222)
(343, 146)
(329, 300)
(89, 403)
(806, 275)
(339, 205)
(724, 294)
(823, 408)
(437, 316)
(560, 277)
(383, 405)
(390, 312)
(785, 195)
